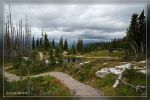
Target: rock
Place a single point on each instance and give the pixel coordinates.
(46, 61)
(115, 71)
(81, 63)
(124, 62)
(8, 67)
(142, 62)
(104, 64)
(143, 71)
(65, 53)
(87, 82)
(87, 62)
(128, 66)
(57, 62)
(25, 58)
(41, 56)
(102, 73)
(138, 68)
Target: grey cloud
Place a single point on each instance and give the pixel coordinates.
(88, 21)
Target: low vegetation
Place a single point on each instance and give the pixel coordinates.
(41, 86)
(105, 53)
(86, 74)
(35, 68)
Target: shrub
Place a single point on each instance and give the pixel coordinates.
(17, 63)
(131, 76)
(134, 78)
(122, 90)
(109, 80)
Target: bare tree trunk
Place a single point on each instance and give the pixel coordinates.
(16, 39)
(118, 79)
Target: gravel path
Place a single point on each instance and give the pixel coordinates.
(77, 87)
(11, 77)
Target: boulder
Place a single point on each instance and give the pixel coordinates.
(143, 71)
(128, 66)
(87, 62)
(41, 56)
(142, 62)
(104, 64)
(102, 73)
(26, 58)
(57, 62)
(46, 61)
(115, 71)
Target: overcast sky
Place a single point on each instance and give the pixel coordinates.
(91, 22)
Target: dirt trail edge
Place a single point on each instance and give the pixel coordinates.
(79, 88)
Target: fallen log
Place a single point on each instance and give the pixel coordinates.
(118, 79)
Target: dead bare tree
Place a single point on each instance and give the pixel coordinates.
(16, 39)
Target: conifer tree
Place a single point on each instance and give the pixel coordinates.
(46, 42)
(66, 45)
(53, 44)
(33, 43)
(80, 45)
(41, 43)
(61, 43)
(37, 43)
(82, 48)
(74, 48)
(142, 33)
(52, 57)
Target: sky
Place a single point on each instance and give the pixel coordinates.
(93, 23)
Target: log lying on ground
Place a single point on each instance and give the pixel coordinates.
(123, 67)
(117, 70)
(118, 79)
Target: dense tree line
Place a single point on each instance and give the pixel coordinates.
(58, 47)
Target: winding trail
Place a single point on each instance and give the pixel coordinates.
(11, 77)
(79, 88)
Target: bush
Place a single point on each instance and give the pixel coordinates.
(122, 90)
(17, 63)
(38, 67)
(109, 80)
(126, 90)
(130, 76)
